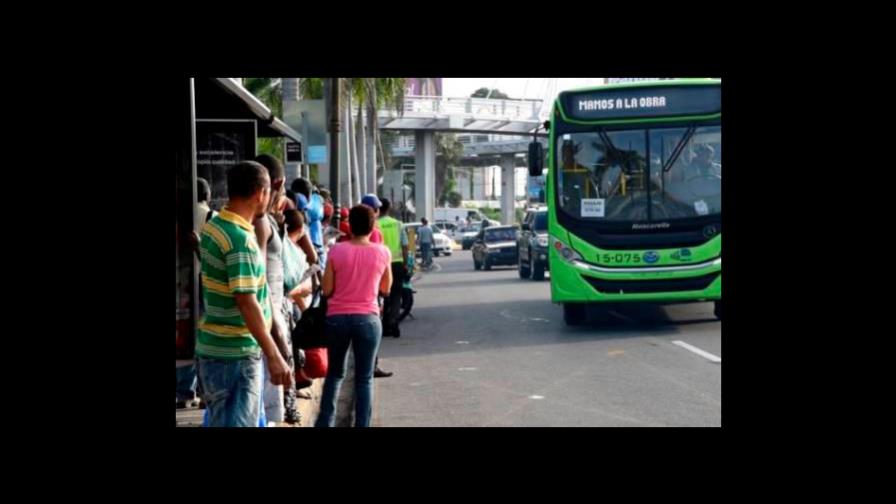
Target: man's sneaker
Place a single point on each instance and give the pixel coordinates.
(293, 417)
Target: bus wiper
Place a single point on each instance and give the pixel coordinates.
(612, 154)
(609, 143)
(679, 147)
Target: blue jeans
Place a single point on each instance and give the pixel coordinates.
(363, 333)
(322, 257)
(426, 250)
(232, 391)
(186, 383)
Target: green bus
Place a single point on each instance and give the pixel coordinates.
(634, 194)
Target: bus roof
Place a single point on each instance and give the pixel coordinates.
(639, 84)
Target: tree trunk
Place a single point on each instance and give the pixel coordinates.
(353, 147)
(361, 149)
(346, 118)
(372, 127)
(379, 144)
(356, 183)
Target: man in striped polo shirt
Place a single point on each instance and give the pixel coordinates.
(237, 323)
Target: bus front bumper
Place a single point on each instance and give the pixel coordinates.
(582, 282)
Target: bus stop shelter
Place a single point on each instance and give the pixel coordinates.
(219, 122)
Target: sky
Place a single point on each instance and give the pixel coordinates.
(534, 88)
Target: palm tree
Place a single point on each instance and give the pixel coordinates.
(351, 92)
(449, 151)
(269, 91)
(369, 95)
(385, 93)
(311, 88)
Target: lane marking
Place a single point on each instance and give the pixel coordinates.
(536, 397)
(462, 342)
(701, 353)
(466, 369)
(509, 315)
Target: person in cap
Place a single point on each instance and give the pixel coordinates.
(370, 200)
(395, 238)
(376, 236)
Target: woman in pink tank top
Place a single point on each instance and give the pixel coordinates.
(357, 270)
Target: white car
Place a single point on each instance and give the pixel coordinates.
(446, 228)
(442, 242)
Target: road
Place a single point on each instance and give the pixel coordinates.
(488, 349)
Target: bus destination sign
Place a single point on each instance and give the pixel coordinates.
(659, 101)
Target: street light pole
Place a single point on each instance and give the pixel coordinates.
(404, 203)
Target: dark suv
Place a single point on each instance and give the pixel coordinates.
(533, 244)
(495, 246)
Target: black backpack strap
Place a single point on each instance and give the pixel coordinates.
(208, 216)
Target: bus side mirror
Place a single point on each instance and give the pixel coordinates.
(536, 159)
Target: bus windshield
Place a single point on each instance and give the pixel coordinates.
(605, 175)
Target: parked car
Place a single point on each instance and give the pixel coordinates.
(533, 244)
(495, 245)
(466, 235)
(442, 243)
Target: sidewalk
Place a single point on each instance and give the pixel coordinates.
(308, 408)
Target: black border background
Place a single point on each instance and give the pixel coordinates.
(761, 286)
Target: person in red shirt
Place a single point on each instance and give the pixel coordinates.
(344, 227)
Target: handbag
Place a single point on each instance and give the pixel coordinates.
(316, 362)
(310, 331)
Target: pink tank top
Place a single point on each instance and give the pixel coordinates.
(357, 270)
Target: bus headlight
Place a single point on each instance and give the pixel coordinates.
(542, 241)
(567, 253)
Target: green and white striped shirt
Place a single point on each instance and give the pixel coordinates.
(231, 264)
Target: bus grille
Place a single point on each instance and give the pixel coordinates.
(645, 286)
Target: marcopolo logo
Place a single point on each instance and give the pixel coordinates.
(651, 256)
(682, 255)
